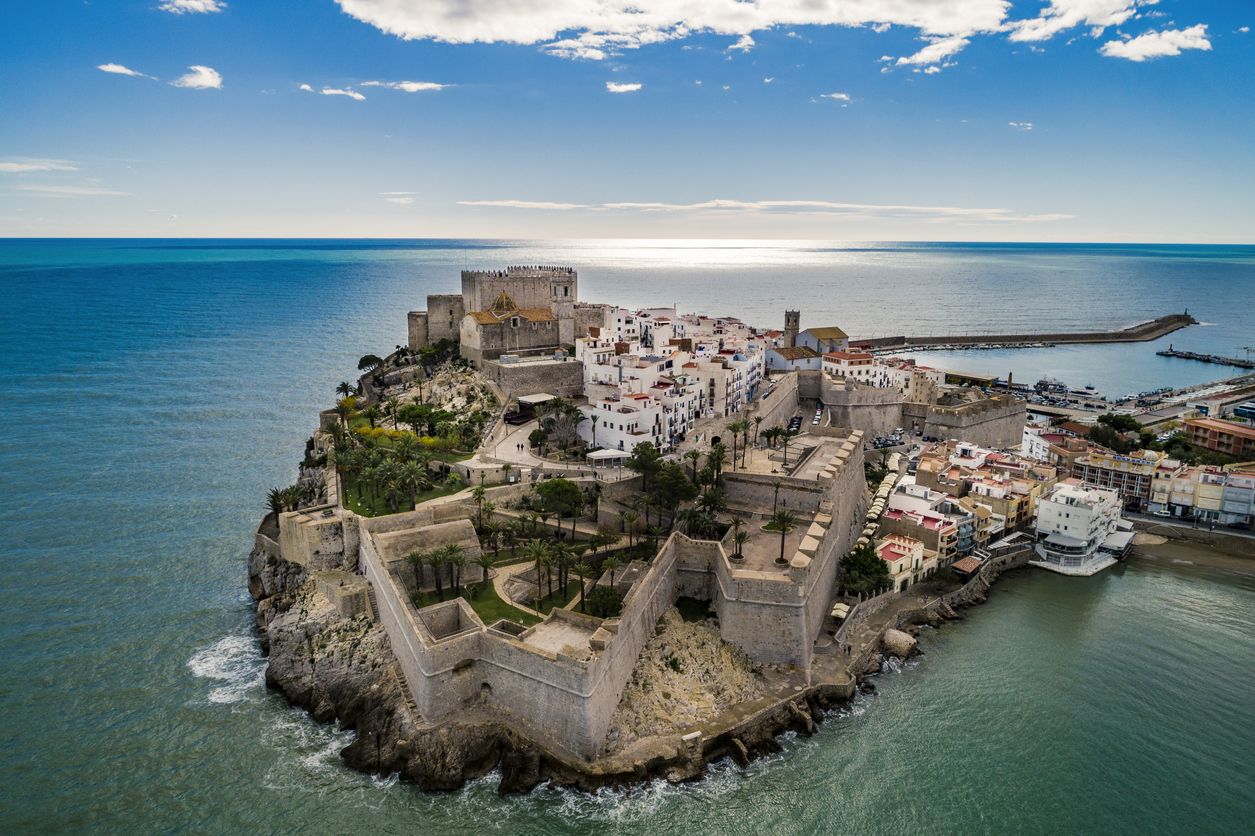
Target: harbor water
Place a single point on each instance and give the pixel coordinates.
(155, 389)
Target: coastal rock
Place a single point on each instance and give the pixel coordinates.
(898, 643)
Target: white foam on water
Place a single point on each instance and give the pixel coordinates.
(234, 661)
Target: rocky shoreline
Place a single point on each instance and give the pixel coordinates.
(342, 669)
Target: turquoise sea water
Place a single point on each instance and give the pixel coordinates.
(154, 390)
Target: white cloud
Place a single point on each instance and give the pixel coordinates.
(335, 91)
(181, 7)
(399, 198)
(933, 70)
(1021, 126)
(932, 214)
(1158, 44)
(617, 87)
(836, 97)
(525, 204)
(1242, 30)
(200, 78)
(745, 43)
(937, 51)
(595, 29)
(70, 191)
(23, 166)
(118, 69)
(769, 79)
(1062, 15)
(407, 86)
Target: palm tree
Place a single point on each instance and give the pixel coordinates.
(505, 469)
(745, 440)
(689, 516)
(478, 493)
(345, 389)
(345, 407)
(487, 511)
(415, 479)
(783, 521)
(741, 538)
(390, 408)
(456, 556)
(694, 456)
(537, 552)
(485, 561)
(561, 556)
(712, 500)
(758, 422)
(715, 460)
(416, 561)
(629, 520)
(583, 570)
(736, 428)
(435, 559)
(611, 565)
(592, 422)
(788, 434)
(372, 414)
(274, 501)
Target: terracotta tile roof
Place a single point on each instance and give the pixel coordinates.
(967, 565)
(801, 352)
(830, 333)
(848, 355)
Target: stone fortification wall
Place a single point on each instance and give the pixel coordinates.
(564, 700)
(775, 409)
(416, 330)
(316, 542)
(588, 316)
(529, 287)
(994, 422)
(754, 490)
(867, 408)
(444, 316)
(1152, 330)
(565, 378)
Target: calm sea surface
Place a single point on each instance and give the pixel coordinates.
(153, 390)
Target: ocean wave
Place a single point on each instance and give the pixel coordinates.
(234, 661)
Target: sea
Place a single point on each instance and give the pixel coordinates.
(153, 390)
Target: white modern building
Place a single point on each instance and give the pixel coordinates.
(1079, 529)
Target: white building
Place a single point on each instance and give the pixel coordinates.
(1079, 529)
(858, 366)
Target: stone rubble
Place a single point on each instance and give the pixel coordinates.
(685, 675)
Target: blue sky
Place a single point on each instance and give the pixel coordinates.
(1054, 120)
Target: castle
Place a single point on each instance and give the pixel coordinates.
(516, 311)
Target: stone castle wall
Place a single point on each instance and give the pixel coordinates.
(565, 378)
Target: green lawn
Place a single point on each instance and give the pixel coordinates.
(485, 601)
(359, 502)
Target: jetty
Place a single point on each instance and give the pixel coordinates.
(1142, 332)
(1207, 358)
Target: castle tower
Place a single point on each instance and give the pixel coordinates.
(792, 323)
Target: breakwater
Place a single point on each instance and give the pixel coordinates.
(1207, 358)
(1142, 332)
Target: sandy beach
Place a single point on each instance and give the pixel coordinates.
(1190, 554)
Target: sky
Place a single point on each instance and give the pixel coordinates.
(935, 120)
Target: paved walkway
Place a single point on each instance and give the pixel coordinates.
(501, 574)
